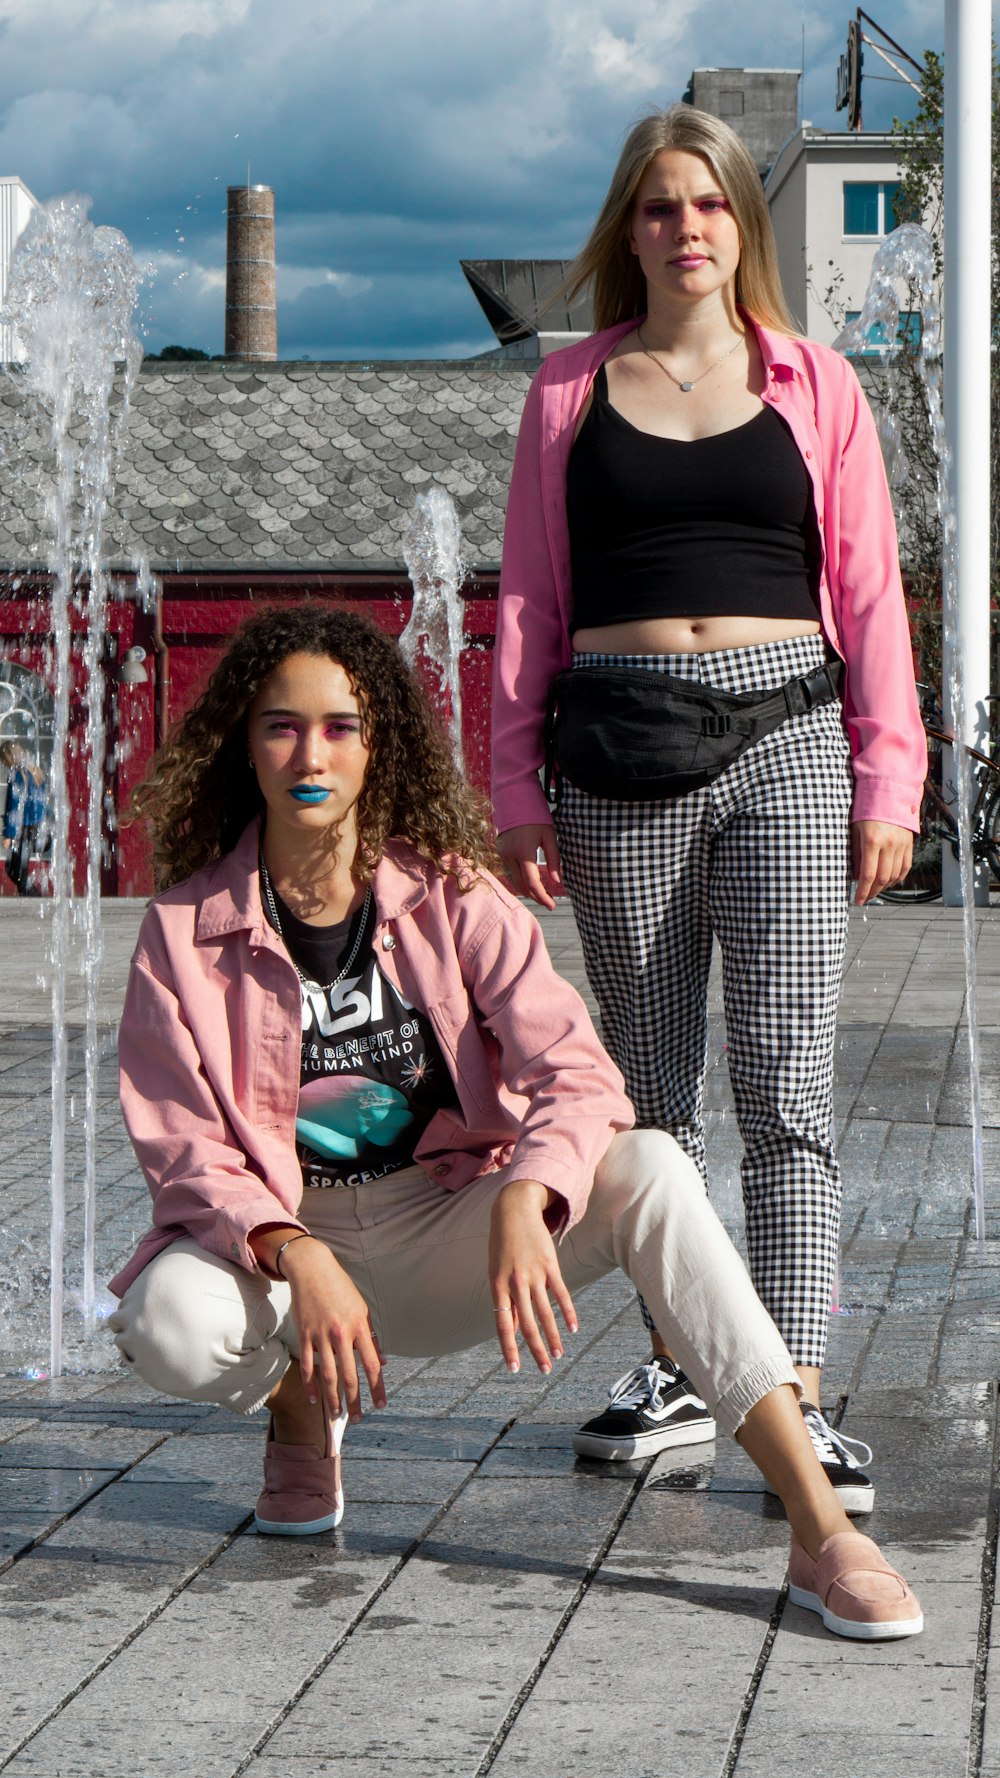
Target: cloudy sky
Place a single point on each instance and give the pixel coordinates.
(399, 135)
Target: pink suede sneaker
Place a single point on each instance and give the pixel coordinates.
(302, 1492)
(854, 1590)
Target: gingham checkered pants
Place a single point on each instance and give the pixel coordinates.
(760, 859)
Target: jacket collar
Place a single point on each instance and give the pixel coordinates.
(231, 902)
(401, 880)
(781, 354)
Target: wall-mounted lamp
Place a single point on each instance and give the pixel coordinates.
(133, 671)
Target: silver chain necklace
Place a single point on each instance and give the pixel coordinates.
(686, 388)
(307, 981)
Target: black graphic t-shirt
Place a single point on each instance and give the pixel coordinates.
(372, 1073)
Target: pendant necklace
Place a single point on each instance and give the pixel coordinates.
(687, 387)
(307, 982)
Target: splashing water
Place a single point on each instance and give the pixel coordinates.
(432, 551)
(907, 256)
(70, 299)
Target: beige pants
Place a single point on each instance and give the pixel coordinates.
(198, 1327)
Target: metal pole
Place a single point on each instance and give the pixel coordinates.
(968, 65)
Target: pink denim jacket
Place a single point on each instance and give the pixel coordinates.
(210, 1038)
(861, 597)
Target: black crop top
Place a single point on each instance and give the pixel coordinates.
(712, 527)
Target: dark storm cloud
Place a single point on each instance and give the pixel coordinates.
(399, 137)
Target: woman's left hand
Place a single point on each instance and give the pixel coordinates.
(524, 1270)
(881, 855)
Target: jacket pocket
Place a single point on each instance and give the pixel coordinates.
(471, 1055)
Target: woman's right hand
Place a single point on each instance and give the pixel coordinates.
(333, 1325)
(519, 848)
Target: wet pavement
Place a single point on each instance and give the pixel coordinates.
(488, 1604)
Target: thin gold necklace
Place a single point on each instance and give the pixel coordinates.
(687, 387)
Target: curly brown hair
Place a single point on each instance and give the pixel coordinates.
(201, 793)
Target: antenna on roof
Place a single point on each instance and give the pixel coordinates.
(850, 69)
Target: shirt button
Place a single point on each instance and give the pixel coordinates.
(808, 453)
(234, 1250)
(442, 1169)
(388, 942)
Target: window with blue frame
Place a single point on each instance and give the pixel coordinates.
(870, 206)
(907, 332)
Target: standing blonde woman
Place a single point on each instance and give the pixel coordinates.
(701, 579)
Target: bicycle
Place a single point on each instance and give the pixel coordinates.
(938, 818)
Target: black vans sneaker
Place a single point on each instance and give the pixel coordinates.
(652, 1408)
(853, 1488)
(842, 1458)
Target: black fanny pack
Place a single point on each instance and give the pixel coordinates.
(631, 733)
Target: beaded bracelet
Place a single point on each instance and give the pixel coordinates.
(277, 1258)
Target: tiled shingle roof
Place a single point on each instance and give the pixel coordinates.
(304, 466)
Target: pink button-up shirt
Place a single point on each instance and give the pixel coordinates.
(861, 596)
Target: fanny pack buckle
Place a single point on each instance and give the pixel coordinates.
(716, 724)
(803, 695)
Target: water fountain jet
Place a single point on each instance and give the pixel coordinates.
(71, 297)
(907, 256)
(432, 640)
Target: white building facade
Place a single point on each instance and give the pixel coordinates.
(16, 205)
(832, 202)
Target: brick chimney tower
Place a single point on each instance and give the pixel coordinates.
(251, 310)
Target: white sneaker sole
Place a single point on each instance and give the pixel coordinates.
(644, 1444)
(854, 1500)
(842, 1626)
(307, 1528)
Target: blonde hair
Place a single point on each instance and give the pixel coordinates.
(607, 262)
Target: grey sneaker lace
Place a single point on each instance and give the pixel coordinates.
(642, 1387)
(833, 1447)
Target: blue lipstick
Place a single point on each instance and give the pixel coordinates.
(310, 793)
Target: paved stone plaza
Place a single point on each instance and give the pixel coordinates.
(490, 1605)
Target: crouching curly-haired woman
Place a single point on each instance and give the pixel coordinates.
(374, 1120)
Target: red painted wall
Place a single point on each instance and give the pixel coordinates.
(183, 640)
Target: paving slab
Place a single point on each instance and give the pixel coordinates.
(687, 1590)
(477, 1610)
(228, 1683)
